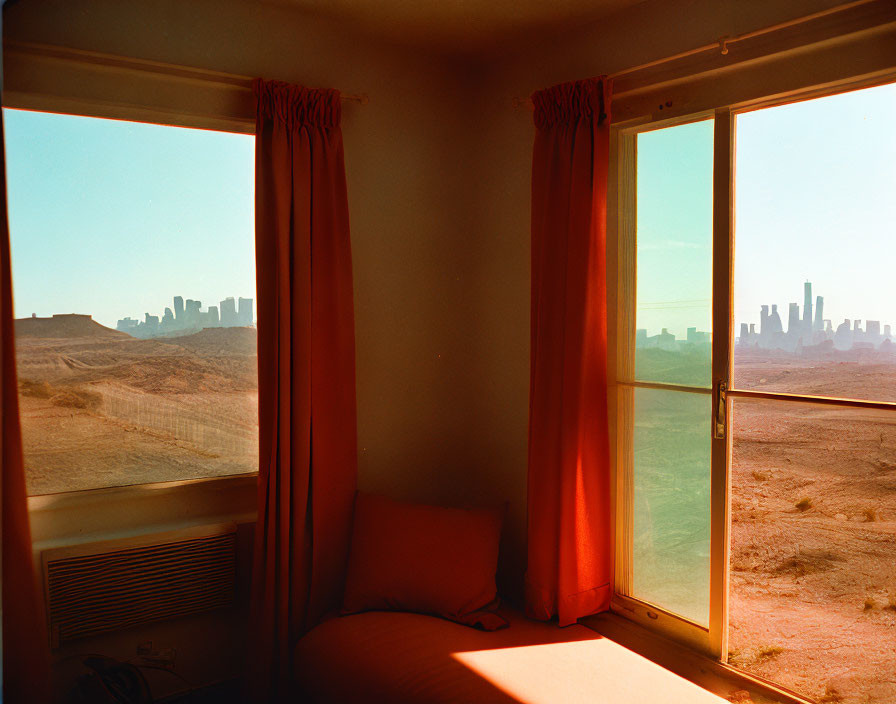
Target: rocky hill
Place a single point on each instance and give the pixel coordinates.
(65, 325)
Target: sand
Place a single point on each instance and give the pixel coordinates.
(813, 531)
(100, 408)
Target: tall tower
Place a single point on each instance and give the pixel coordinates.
(807, 309)
(819, 314)
(793, 320)
(191, 314)
(245, 311)
(774, 320)
(228, 313)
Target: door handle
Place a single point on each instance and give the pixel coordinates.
(720, 411)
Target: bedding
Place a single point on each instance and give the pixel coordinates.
(405, 658)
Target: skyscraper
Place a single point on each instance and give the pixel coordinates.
(793, 320)
(807, 309)
(228, 312)
(192, 318)
(245, 312)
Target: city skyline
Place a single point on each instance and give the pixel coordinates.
(188, 316)
(806, 327)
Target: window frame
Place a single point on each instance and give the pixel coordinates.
(34, 499)
(66, 81)
(622, 264)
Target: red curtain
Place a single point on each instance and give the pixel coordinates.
(25, 650)
(306, 375)
(569, 567)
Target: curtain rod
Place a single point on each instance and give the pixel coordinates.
(722, 44)
(146, 66)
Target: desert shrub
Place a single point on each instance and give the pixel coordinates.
(891, 603)
(761, 476)
(870, 603)
(768, 651)
(35, 389)
(831, 695)
(804, 504)
(808, 562)
(77, 398)
(870, 514)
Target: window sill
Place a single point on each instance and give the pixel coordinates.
(706, 672)
(121, 512)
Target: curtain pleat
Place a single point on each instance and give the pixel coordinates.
(306, 373)
(569, 550)
(25, 648)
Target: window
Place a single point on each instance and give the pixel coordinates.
(134, 284)
(756, 402)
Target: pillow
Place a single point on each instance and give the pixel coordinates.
(408, 557)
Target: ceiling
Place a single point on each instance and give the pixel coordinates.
(459, 25)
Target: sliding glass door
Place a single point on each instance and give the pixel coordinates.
(664, 373)
(756, 389)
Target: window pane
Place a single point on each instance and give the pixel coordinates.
(670, 532)
(674, 255)
(815, 305)
(813, 539)
(113, 224)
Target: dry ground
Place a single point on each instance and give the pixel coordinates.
(813, 551)
(100, 408)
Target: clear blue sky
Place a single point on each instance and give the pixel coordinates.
(115, 218)
(674, 256)
(815, 200)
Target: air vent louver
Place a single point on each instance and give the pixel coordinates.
(97, 588)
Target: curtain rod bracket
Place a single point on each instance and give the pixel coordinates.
(723, 45)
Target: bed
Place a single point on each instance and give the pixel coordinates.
(406, 658)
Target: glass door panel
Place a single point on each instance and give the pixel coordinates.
(674, 255)
(812, 498)
(670, 539)
(665, 430)
(814, 299)
(812, 588)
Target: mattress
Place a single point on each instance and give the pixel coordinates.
(410, 658)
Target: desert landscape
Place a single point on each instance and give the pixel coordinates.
(100, 408)
(812, 596)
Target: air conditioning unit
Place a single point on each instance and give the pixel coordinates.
(106, 586)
